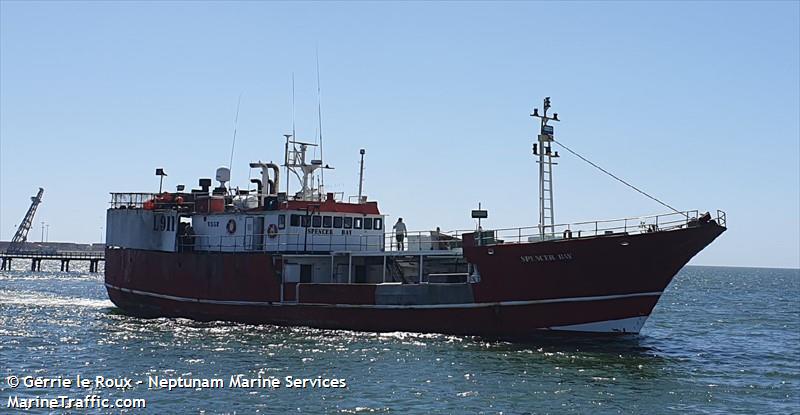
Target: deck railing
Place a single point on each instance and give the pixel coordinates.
(417, 241)
(130, 200)
(629, 226)
(55, 254)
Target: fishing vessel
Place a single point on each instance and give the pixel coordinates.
(311, 258)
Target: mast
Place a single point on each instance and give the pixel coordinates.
(361, 176)
(286, 159)
(544, 150)
(304, 169)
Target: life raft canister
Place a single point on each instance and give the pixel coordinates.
(272, 230)
(231, 226)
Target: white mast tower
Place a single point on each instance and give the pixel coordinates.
(297, 163)
(544, 151)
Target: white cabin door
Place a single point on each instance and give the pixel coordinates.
(254, 233)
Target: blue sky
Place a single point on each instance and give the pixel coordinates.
(697, 103)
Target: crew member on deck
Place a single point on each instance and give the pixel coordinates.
(186, 237)
(436, 237)
(400, 233)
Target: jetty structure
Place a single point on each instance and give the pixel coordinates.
(19, 248)
(316, 258)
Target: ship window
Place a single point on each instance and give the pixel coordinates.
(367, 223)
(357, 223)
(294, 220)
(378, 224)
(348, 222)
(337, 221)
(327, 221)
(306, 220)
(316, 221)
(281, 221)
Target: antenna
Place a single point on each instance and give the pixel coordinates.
(319, 117)
(294, 135)
(235, 126)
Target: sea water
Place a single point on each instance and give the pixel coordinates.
(721, 340)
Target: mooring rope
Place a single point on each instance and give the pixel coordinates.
(617, 178)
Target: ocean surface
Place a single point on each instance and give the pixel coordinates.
(721, 340)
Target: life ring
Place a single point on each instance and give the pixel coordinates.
(272, 230)
(567, 234)
(231, 226)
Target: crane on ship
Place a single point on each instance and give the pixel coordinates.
(18, 242)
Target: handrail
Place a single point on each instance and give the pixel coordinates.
(54, 255)
(646, 224)
(441, 241)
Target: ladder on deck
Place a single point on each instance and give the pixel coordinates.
(548, 217)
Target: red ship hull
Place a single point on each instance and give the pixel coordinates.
(599, 284)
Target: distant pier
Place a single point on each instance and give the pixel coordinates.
(36, 258)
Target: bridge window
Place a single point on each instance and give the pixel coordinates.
(327, 221)
(337, 221)
(306, 220)
(281, 221)
(294, 220)
(348, 222)
(378, 224)
(367, 223)
(357, 222)
(316, 221)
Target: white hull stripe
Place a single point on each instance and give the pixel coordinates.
(386, 306)
(625, 325)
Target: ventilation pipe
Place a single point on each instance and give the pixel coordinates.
(268, 187)
(276, 169)
(259, 188)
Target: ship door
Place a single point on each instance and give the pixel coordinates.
(254, 233)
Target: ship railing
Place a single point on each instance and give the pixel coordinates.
(722, 218)
(628, 226)
(302, 242)
(137, 200)
(422, 241)
(130, 200)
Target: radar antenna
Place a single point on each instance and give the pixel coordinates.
(21, 236)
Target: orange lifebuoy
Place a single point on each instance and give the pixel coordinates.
(179, 200)
(231, 226)
(149, 205)
(272, 230)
